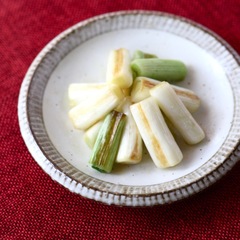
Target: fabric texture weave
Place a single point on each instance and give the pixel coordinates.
(32, 206)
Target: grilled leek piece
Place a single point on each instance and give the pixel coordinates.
(91, 110)
(107, 142)
(142, 85)
(130, 149)
(177, 113)
(155, 133)
(159, 69)
(118, 68)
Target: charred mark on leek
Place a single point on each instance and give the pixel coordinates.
(107, 143)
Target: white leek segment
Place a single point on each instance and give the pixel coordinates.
(91, 110)
(156, 135)
(90, 135)
(80, 91)
(118, 68)
(142, 85)
(130, 149)
(177, 113)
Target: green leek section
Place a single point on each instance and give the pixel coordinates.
(107, 143)
(140, 54)
(163, 70)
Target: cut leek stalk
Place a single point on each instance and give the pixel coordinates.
(142, 85)
(190, 100)
(155, 133)
(118, 68)
(177, 113)
(80, 91)
(140, 54)
(90, 111)
(90, 134)
(130, 149)
(159, 69)
(107, 142)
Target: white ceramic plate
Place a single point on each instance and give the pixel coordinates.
(79, 54)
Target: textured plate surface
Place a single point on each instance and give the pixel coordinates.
(79, 54)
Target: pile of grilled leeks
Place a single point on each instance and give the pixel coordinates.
(137, 103)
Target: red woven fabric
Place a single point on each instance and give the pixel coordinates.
(32, 206)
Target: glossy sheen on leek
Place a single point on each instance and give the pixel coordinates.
(159, 69)
(78, 92)
(177, 113)
(107, 143)
(91, 110)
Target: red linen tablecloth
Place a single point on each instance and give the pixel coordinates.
(32, 206)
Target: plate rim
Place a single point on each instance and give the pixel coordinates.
(111, 197)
